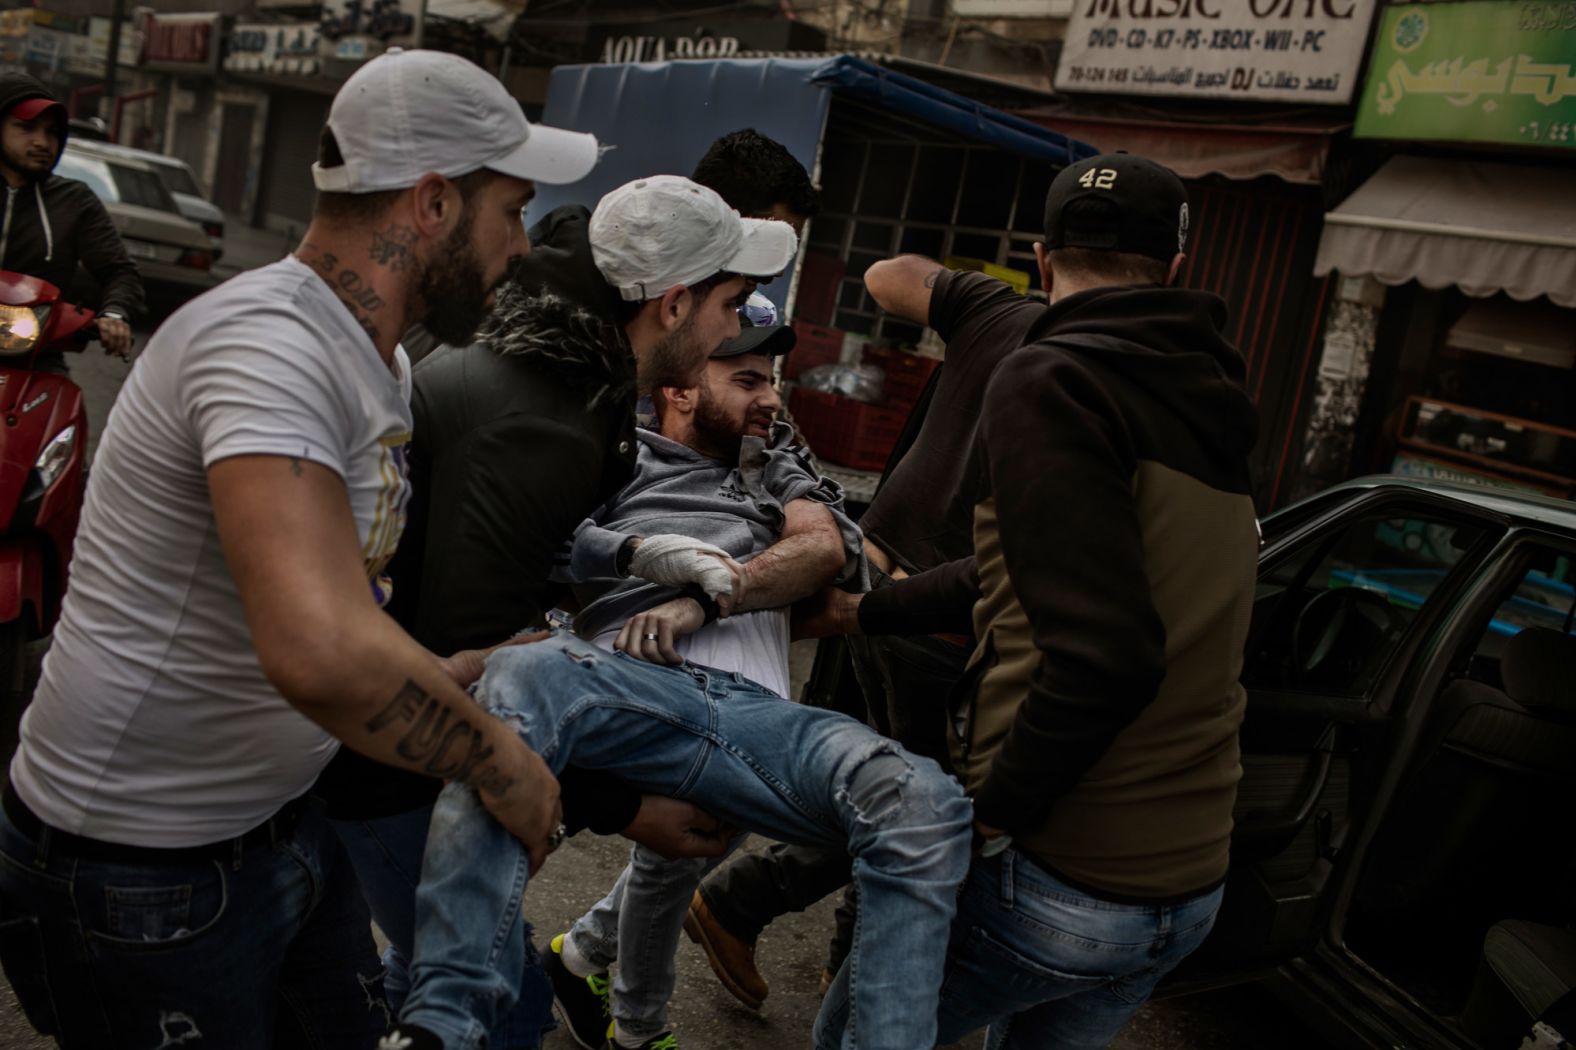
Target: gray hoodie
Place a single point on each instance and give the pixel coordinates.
(677, 490)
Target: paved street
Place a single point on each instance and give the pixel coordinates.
(792, 951)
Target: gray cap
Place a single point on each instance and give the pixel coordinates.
(665, 232)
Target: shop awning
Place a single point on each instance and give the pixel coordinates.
(957, 113)
(1480, 226)
(1293, 150)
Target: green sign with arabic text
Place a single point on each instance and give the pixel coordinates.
(1485, 71)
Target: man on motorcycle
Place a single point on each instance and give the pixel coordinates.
(51, 222)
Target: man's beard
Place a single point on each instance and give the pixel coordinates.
(453, 288)
(716, 435)
(674, 360)
(25, 168)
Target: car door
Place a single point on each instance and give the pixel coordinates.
(1348, 587)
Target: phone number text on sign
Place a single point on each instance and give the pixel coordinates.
(1295, 50)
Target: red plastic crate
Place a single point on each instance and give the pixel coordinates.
(816, 345)
(842, 430)
(906, 374)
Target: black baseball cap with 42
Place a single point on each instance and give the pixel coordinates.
(1117, 202)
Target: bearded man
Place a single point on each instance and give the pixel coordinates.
(717, 468)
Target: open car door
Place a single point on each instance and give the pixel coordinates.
(1349, 586)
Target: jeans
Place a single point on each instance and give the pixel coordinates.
(735, 749)
(638, 924)
(1050, 967)
(267, 946)
(386, 853)
(906, 683)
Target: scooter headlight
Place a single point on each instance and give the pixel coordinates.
(52, 461)
(19, 329)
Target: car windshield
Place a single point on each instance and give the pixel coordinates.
(140, 187)
(179, 180)
(91, 172)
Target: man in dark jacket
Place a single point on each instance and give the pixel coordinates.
(521, 436)
(51, 222)
(1110, 590)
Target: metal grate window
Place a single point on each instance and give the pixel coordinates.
(892, 186)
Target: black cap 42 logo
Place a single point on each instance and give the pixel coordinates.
(1098, 179)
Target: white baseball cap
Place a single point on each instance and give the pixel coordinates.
(406, 114)
(661, 232)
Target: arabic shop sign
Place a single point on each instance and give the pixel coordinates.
(283, 50)
(357, 30)
(181, 43)
(1303, 51)
(1487, 71)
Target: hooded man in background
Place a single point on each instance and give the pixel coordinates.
(51, 222)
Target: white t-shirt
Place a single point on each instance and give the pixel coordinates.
(153, 724)
(754, 644)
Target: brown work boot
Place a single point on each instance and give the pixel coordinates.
(732, 959)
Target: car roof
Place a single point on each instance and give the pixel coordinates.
(110, 151)
(1521, 506)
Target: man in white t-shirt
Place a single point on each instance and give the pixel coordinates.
(717, 469)
(162, 880)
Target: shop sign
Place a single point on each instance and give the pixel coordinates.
(1303, 51)
(47, 47)
(360, 29)
(1486, 71)
(98, 43)
(278, 50)
(15, 27)
(623, 49)
(181, 43)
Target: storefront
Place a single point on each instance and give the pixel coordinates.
(280, 78)
(1456, 356)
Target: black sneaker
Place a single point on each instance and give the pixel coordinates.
(665, 1041)
(409, 1037)
(580, 1002)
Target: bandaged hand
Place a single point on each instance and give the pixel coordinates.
(675, 561)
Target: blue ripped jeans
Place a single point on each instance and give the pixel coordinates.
(737, 750)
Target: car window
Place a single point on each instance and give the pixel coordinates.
(1329, 617)
(142, 188)
(1545, 597)
(91, 172)
(179, 180)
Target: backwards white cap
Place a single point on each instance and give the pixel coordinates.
(661, 232)
(406, 114)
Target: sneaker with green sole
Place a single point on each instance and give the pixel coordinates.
(665, 1041)
(580, 1003)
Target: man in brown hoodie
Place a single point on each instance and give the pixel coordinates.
(1110, 590)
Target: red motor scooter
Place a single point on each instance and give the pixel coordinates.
(43, 448)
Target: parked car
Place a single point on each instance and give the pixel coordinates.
(92, 129)
(182, 184)
(174, 255)
(1409, 761)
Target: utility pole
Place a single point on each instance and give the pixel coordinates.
(112, 60)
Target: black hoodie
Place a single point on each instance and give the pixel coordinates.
(1115, 553)
(51, 224)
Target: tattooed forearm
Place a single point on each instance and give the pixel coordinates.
(392, 247)
(438, 741)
